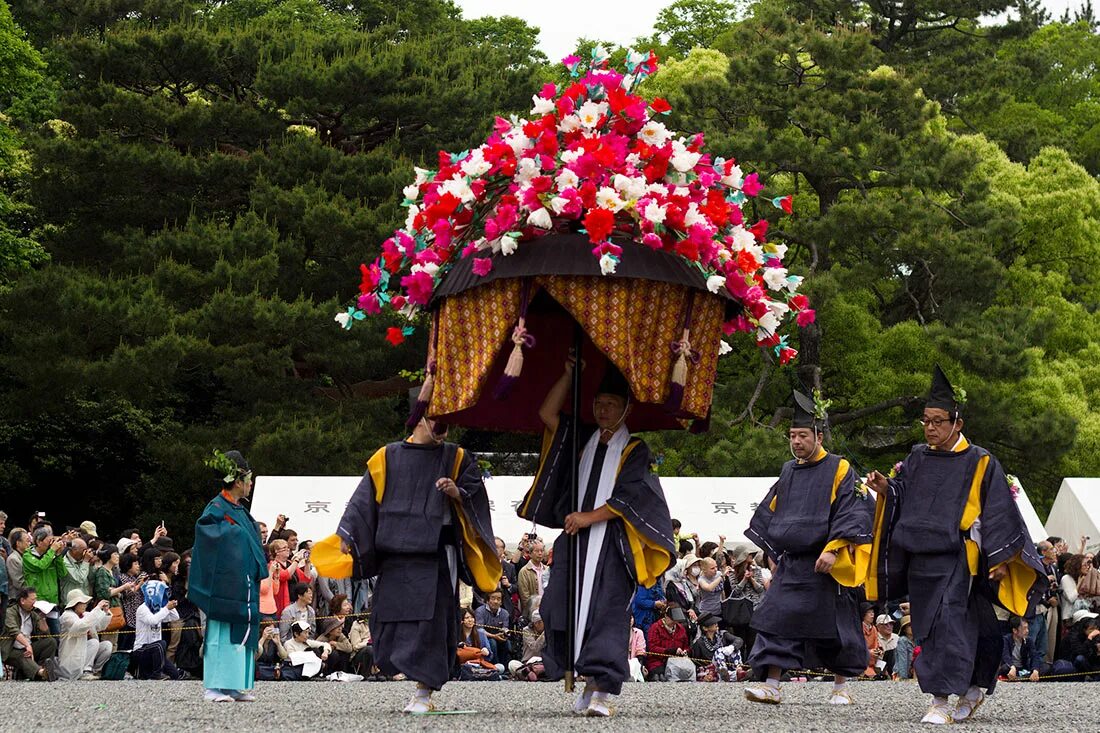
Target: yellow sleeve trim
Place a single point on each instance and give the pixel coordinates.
(650, 560)
(974, 499)
(626, 454)
(841, 472)
(846, 571)
(377, 468)
(482, 560)
(1014, 588)
(329, 560)
(772, 504)
(871, 585)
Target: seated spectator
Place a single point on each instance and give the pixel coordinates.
(300, 609)
(81, 654)
(473, 643)
(299, 641)
(648, 605)
(1076, 568)
(870, 635)
(529, 665)
(887, 642)
(904, 652)
(25, 644)
(150, 650)
(340, 607)
(271, 654)
(722, 648)
(668, 647)
(494, 621)
(1082, 646)
(332, 633)
(636, 655)
(1020, 660)
(362, 660)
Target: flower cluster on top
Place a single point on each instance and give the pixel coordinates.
(594, 152)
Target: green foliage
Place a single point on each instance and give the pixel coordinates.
(688, 24)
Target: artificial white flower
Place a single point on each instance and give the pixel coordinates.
(633, 160)
(569, 123)
(421, 175)
(723, 348)
(778, 250)
(459, 188)
(542, 105)
(742, 238)
(715, 283)
(632, 189)
(412, 191)
(768, 323)
(734, 178)
(558, 204)
(683, 159)
(540, 218)
(654, 133)
(508, 243)
(475, 165)
(410, 217)
(429, 267)
(566, 179)
(636, 57)
(608, 198)
(654, 213)
(778, 307)
(776, 277)
(528, 168)
(692, 215)
(591, 112)
(570, 156)
(342, 318)
(793, 282)
(608, 264)
(517, 141)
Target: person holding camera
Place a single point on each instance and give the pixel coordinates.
(44, 567)
(150, 649)
(78, 568)
(227, 565)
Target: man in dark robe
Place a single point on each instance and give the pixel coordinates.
(624, 535)
(419, 520)
(814, 525)
(949, 535)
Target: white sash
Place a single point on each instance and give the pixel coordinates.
(608, 473)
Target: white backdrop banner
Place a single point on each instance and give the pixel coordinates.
(707, 506)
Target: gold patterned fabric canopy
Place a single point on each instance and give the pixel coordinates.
(631, 322)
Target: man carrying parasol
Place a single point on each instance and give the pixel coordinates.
(623, 528)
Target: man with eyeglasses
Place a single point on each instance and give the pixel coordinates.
(948, 535)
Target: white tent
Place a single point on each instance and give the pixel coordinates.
(1076, 513)
(1031, 517)
(707, 506)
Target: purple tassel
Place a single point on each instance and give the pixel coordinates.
(504, 386)
(417, 414)
(675, 397)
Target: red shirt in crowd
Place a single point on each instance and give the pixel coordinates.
(662, 643)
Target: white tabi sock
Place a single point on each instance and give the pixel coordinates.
(773, 682)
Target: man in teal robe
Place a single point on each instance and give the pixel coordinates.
(227, 565)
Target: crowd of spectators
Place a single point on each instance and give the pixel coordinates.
(76, 606)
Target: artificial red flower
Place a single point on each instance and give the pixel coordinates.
(395, 336)
(599, 223)
(798, 302)
(786, 354)
(660, 106)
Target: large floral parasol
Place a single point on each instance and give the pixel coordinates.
(588, 226)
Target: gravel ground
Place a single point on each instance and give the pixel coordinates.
(371, 706)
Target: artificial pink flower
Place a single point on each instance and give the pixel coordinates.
(369, 302)
(805, 317)
(482, 266)
(751, 185)
(419, 286)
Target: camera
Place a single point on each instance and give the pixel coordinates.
(531, 536)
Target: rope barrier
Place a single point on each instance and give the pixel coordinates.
(524, 632)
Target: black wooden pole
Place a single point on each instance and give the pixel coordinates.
(574, 495)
